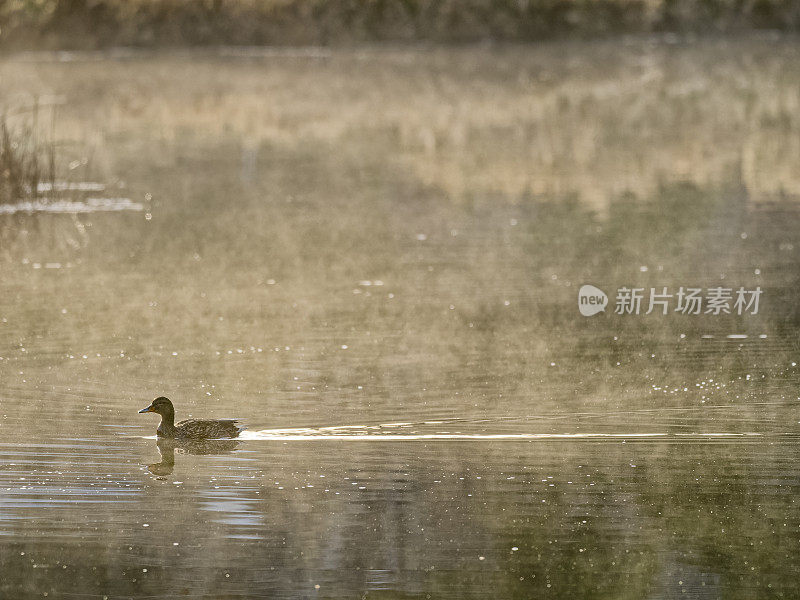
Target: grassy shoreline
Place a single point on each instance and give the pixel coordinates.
(90, 24)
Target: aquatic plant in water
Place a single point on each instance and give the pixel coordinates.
(25, 162)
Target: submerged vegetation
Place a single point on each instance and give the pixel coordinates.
(101, 23)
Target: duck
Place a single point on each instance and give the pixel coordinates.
(190, 429)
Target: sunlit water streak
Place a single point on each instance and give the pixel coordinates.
(322, 435)
(90, 205)
(73, 186)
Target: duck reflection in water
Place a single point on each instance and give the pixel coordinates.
(167, 447)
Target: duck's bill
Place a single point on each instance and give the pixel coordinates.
(148, 409)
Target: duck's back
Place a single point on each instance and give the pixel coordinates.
(210, 429)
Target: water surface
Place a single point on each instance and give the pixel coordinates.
(372, 257)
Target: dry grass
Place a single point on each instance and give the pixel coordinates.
(596, 120)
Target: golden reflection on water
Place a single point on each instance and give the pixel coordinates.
(386, 246)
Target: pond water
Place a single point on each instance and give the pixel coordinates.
(372, 258)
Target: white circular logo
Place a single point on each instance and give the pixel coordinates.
(591, 300)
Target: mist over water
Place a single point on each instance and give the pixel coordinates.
(372, 259)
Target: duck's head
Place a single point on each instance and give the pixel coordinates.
(161, 406)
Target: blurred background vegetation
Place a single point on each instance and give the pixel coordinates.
(84, 24)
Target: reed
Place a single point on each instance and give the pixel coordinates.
(26, 160)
